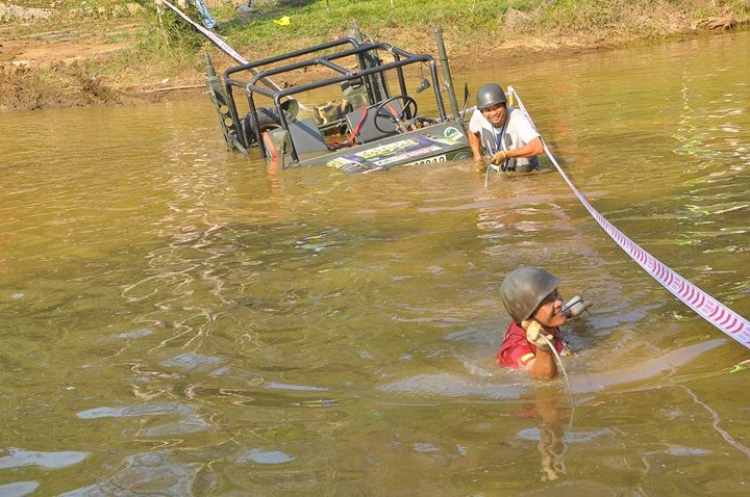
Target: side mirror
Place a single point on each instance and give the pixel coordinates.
(467, 95)
(423, 85)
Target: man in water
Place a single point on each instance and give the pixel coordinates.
(504, 132)
(530, 296)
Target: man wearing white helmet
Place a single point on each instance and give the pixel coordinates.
(530, 296)
(505, 133)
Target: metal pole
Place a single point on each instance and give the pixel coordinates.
(375, 83)
(447, 72)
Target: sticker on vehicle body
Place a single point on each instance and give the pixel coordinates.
(453, 133)
(393, 153)
(408, 155)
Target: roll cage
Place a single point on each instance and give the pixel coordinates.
(366, 81)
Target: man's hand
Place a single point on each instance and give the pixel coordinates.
(534, 334)
(498, 158)
(575, 307)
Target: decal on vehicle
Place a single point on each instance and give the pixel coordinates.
(390, 153)
(453, 134)
(408, 155)
(387, 149)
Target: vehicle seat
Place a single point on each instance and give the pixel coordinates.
(305, 135)
(362, 123)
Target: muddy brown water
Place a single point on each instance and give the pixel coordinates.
(177, 320)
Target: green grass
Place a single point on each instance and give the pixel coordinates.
(172, 47)
(465, 21)
(172, 51)
(313, 23)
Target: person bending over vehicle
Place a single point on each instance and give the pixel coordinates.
(505, 133)
(530, 296)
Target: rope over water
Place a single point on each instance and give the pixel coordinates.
(710, 309)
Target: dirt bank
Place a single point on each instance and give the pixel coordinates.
(77, 60)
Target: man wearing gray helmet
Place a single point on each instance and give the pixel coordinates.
(505, 133)
(530, 296)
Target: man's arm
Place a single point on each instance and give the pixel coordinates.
(531, 149)
(543, 365)
(475, 142)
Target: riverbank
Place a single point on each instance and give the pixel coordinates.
(55, 55)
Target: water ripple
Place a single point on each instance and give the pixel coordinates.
(19, 458)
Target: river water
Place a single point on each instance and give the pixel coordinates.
(179, 320)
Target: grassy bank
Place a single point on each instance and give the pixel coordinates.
(495, 22)
(494, 26)
(156, 49)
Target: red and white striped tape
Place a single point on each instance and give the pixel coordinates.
(208, 34)
(706, 306)
(216, 40)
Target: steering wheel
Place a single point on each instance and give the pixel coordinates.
(408, 111)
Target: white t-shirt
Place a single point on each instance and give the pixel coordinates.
(518, 132)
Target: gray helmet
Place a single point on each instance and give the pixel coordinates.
(524, 289)
(489, 95)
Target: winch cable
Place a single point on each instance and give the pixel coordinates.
(221, 44)
(567, 380)
(710, 309)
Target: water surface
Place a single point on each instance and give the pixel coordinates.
(179, 320)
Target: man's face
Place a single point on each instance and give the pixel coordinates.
(495, 114)
(548, 313)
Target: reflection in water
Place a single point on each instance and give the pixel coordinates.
(264, 457)
(445, 384)
(189, 421)
(716, 420)
(191, 361)
(550, 433)
(155, 473)
(645, 368)
(184, 322)
(18, 458)
(18, 489)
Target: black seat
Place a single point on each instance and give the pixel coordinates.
(305, 135)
